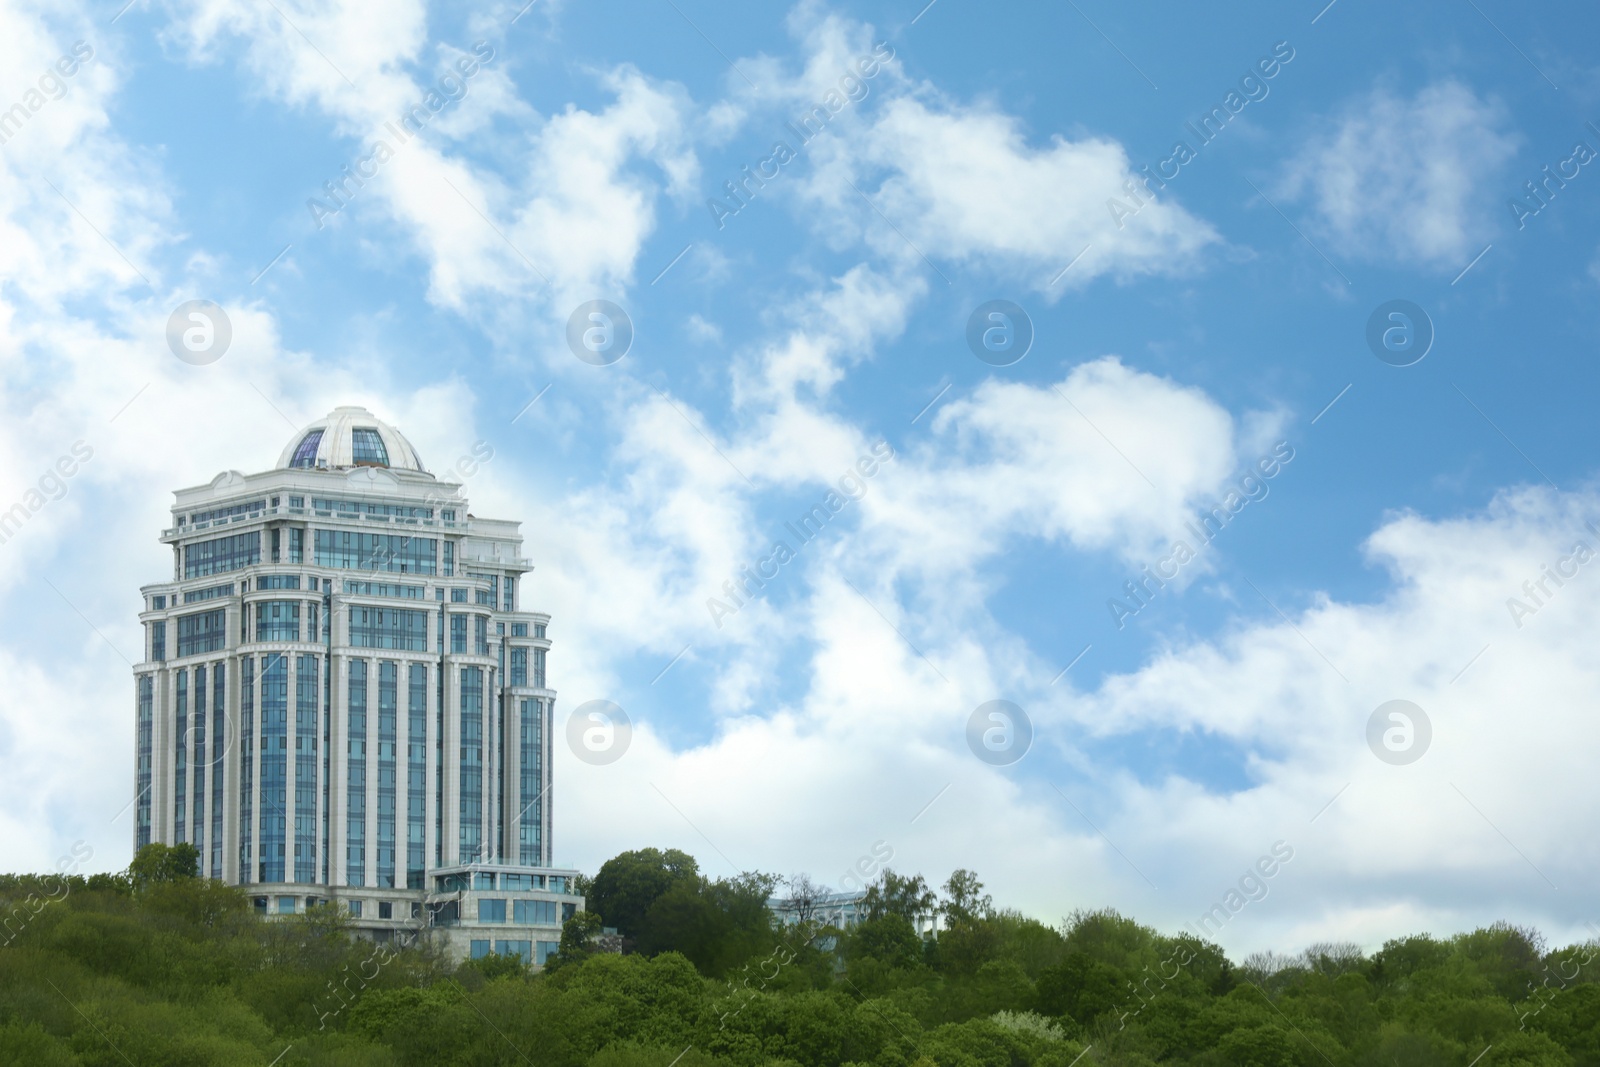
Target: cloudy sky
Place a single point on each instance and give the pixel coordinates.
(1201, 228)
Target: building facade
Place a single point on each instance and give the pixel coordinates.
(341, 698)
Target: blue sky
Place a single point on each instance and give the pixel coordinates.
(986, 160)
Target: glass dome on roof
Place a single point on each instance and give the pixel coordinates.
(350, 437)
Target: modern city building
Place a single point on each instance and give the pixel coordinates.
(342, 700)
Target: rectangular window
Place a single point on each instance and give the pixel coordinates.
(530, 775)
(479, 949)
(202, 632)
(491, 910)
(278, 620)
(397, 628)
(388, 711)
(516, 881)
(226, 513)
(297, 502)
(286, 905)
(355, 909)
(349, 509)
(511, 594)
(274, 538)
(416, 775)
(535, 912)
(278, 581)
(158, 603)
(297, 543)
(356, 824)
(146, 758)
(458, 596)
(448, 515)
(308, 703)
(221, 555)
(389, 589)
(196, 595)
(247, 748)
(519, 666)
(480, 642)
(471, 772)
(385, 909)
(483, 880)
(519, 629)
(220, 742)
(521, 949)
(180, 783)
(483, 596)
(458, 633)
(538, 667)
(538, 629)
(197, 731)
(543, 950)
(375, 552)
(274, 766)
(158, 642)
(450, 554)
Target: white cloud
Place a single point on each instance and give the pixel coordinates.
(1407, 179)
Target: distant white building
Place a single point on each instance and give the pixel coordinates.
(342, 700)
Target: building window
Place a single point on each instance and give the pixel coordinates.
(388, 589)
(543, 950)
(180, 766)
(521, 949)
(305, 455)
(538, 667)
(194, 596)
(471, 772)
(450, 553)
(535, 912)
(297, 542)
(201, 632)
(221, 555)
(481, 634)
(538, 629)
(278, 581)
(491, 910)
(385, 909)
(223, 514)
(375, 552)
(396, 628)
(416, 775)
(479, 949)
(298, 502)
(448, 515)
(531, 773)
(519, 666)
(145, 757)
(511, 594)
(247, 748)
(356, 823)
(308, 703)
(458, 596)
(366, 448)
(458, 633)
(286, 905)
(516, 881)
(483, 880)
(388, 711)
(158, 642)
(220, 743)
(278, 620)
(274, 766)
(519, 629)
(158, 603)
(355, 909)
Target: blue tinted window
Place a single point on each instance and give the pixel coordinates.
(492, 911)
(398, 628)
(471, 772)
(519, 629)
(375, 552)
(366, 447)
(480, 949)
(278, 620)
(194, 596)
(278, 581)
(221, 555)
(519, 666)
(274, 765)
(356, 832)
(305, 456)
(158, 642)
(201, 632)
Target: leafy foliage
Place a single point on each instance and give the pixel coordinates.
(160, 966)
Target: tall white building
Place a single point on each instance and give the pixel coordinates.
(342, 700)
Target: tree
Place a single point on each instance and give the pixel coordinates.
(906, 896)
(157, 863)
(804, 898)
(962, 903)
(578, 935)
(628, 884)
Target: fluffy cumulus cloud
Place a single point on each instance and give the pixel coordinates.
(1425, 197)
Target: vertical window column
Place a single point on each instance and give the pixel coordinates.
(307, 699)
(146, 755)
(356, 797)
(388, 711)
(219, 746)
(247, 748)
(274, 767)
(530, 775)
(471, 776)
(197, 731)
(416, 776)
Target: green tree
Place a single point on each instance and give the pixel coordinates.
(628, 884)
(156, 863)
